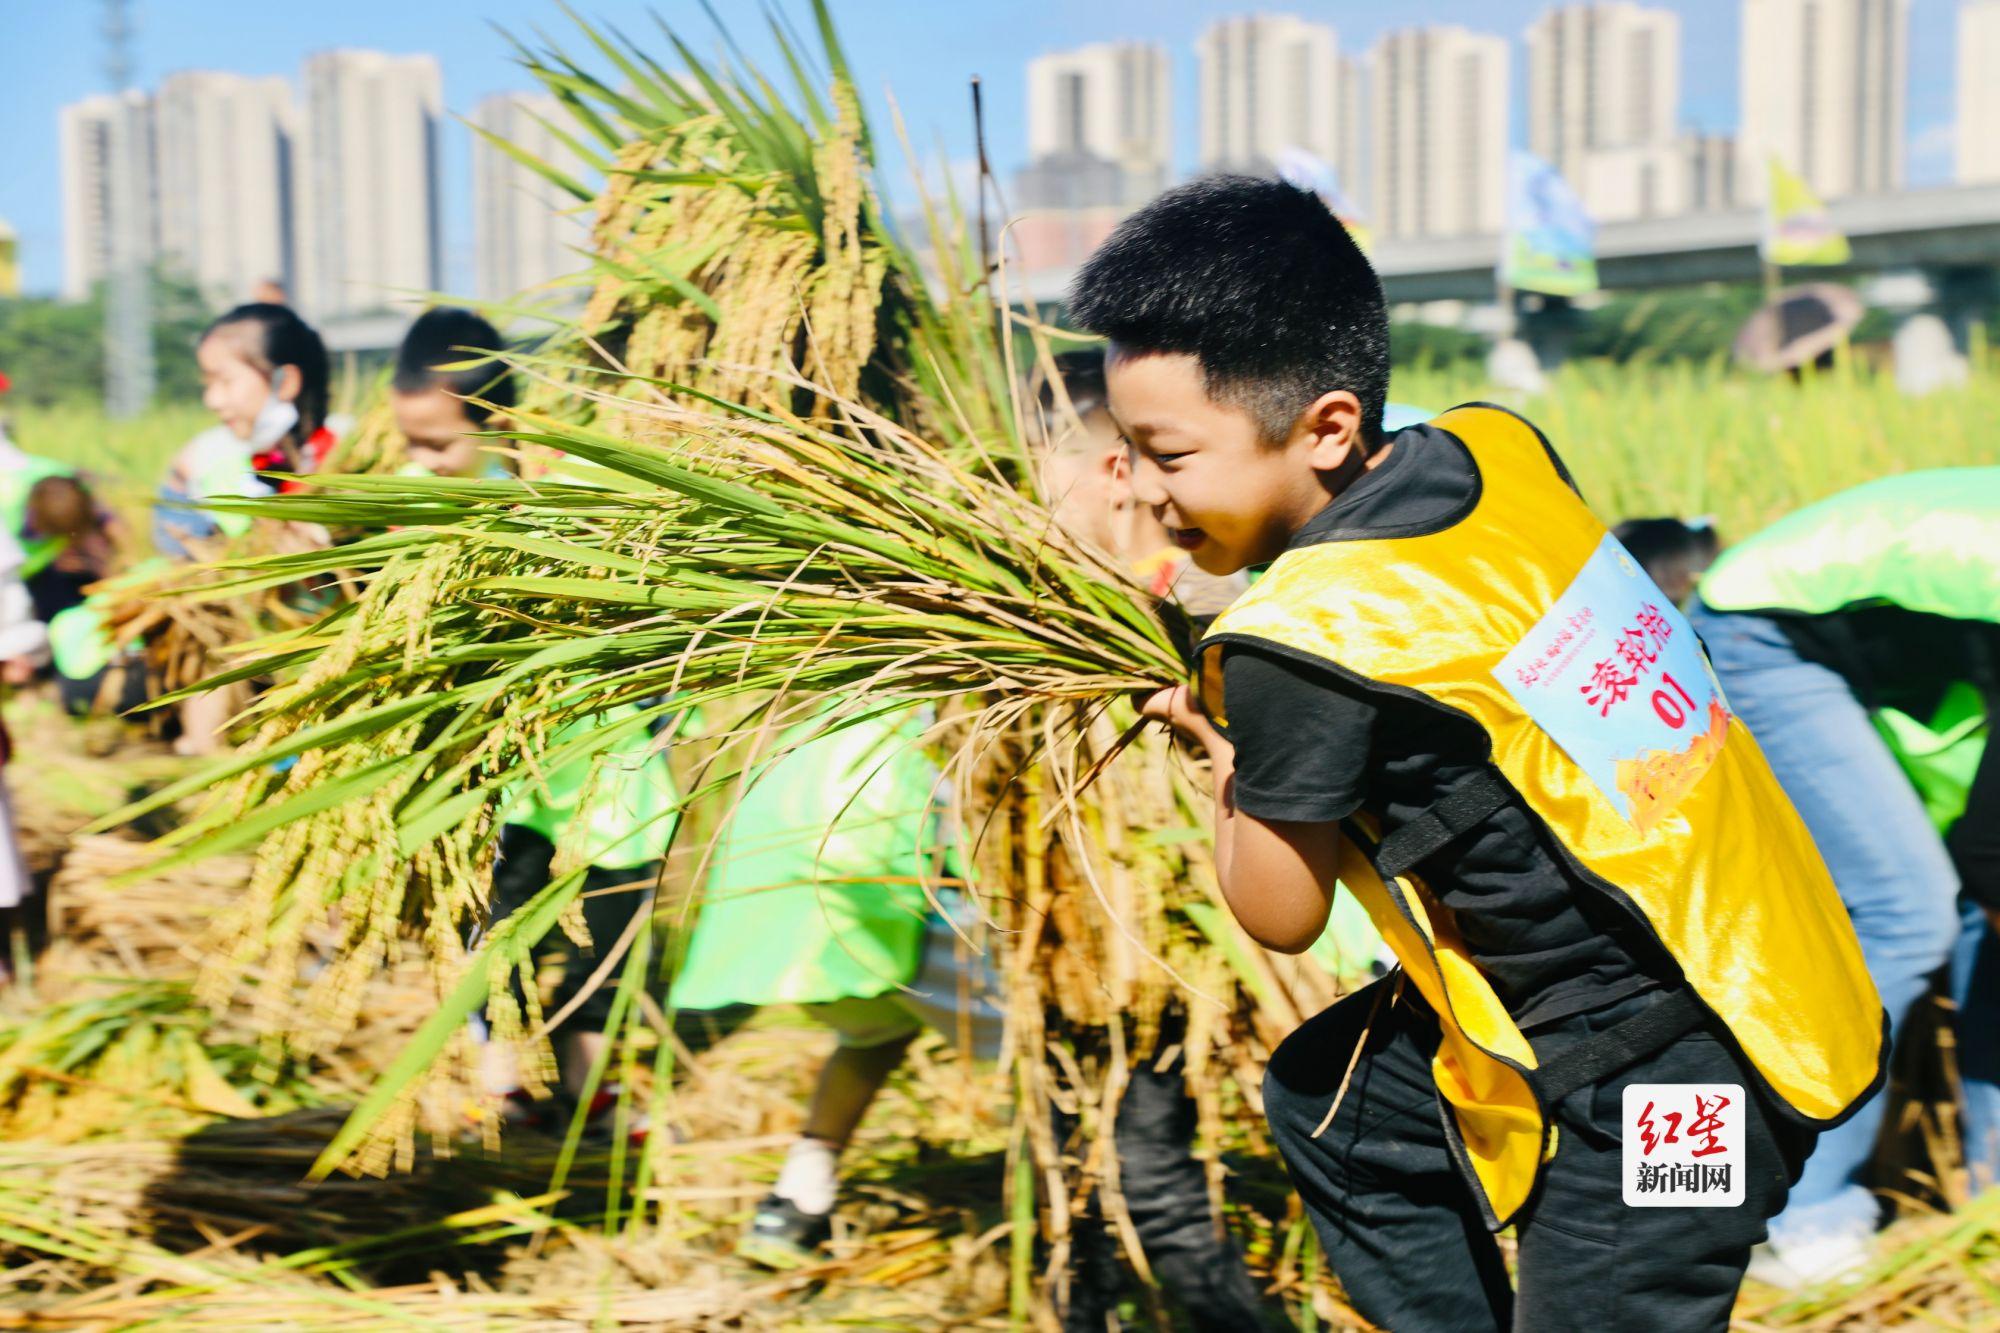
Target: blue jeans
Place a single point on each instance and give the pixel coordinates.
(1886, 858)
(1975, 988)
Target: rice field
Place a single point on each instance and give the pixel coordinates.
(1693, 438)
(480, 1245)
(1687, 438)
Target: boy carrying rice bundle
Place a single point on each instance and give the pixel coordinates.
(1428, 697)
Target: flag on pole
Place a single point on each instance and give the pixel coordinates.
(1550, 242)
(1308, 171)
(1797, 230)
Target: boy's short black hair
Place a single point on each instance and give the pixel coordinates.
(1257, 281)
(448, 337)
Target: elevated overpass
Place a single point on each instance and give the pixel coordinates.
(1947, 234)
(1935, 231)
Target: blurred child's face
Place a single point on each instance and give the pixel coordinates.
(438, 432)
(233, 386)
(1089, 484)
(1226, 495)
(1678, 576)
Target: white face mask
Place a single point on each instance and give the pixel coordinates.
(275, 419)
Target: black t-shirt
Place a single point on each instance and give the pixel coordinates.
(1313, 747)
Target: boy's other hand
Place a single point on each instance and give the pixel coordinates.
(1175, 705)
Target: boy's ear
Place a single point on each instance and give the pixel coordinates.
(1116, 466)
(1334, 423)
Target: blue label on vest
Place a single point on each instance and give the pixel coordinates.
(1614, 675)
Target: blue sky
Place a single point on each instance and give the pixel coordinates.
(924, 50)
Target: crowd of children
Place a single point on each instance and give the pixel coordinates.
(1595, 885)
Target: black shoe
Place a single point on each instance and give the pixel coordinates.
(783, 1235)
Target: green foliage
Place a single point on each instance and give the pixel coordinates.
(1415, 344)
(1682, 324)
(54, 350)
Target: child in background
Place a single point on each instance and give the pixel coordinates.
(438, 374)
(815, 897)
(69, 540)
(1860, 637)
(1393, 706)
(1674, 554)
(264, 374)
(621, 832)
(22, 643)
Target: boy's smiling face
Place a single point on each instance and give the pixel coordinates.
(1228, 497)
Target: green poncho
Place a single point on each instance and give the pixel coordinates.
(816, 888)
(1924, 541)
(630, 815)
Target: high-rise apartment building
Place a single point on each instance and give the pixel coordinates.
(1100, 130)
(1100, 143)
(1708, 166)
(1438, 158)
(1824, 87)
(1603, 96)
(224, 146)
(367, 170)
(1271, 82)
(108, 188)
(1978, 127)
(525, 231)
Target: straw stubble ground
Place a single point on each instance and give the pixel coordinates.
(145, 1209)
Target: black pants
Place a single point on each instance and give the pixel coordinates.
(1166, 1196)
(1399, 1222)
(522, 870)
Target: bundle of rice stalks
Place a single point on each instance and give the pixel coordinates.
(773, 558)
(737, 238)
(847, 530)
(188, 618)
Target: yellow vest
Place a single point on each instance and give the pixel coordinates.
(1524, 616)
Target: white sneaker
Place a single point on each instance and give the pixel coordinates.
(1811, 1262)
